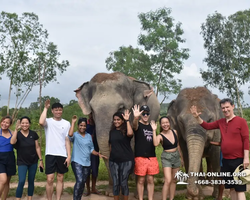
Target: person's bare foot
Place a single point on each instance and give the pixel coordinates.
(86, 193)
(95, 192)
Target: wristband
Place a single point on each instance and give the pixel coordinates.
(41, 159)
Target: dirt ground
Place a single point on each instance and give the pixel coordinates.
(157, 195)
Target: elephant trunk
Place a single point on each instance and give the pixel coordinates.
(102, 135)
(195, 146)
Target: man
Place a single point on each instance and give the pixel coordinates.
(95, 160)
(146, 164)
(57, 153)
(234, 143)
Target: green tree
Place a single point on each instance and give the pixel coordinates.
(162, 56)
(132, 62)
(47, 66)
(227, 41)
(26, 55)
(19, 39)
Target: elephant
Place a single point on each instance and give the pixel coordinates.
(193, 139)
(106, 94)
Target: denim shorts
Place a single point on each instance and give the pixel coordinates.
(170, 159)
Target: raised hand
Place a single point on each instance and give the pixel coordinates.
(193, 110)
(74, 118)
(47, 103)
(153, 125)
(126, 115)
(18, 124)
(136, 111)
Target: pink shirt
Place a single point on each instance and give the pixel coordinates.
(234, 136)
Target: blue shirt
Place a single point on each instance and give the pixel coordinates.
(82, 148)
(5, 145)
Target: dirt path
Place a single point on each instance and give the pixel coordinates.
(157, 195)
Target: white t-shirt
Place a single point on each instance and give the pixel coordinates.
(56, 133)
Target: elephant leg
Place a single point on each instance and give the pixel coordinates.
(184, 151)
(109, 191)
(215, 165)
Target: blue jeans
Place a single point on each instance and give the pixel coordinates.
(81, 175)
(22, 171)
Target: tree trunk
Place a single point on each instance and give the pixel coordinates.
(159, 81)
(41, 78)
(8, 107)
(238, 98)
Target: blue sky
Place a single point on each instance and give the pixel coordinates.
(86, 31)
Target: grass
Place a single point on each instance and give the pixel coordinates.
(38, 191)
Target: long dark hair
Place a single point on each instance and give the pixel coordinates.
(123, 127)
(167, 117)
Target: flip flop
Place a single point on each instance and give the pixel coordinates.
(86, 194)
(96, 192)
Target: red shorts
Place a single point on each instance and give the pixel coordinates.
(146, 166)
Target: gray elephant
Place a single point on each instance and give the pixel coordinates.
(193, 139)
(106, 94)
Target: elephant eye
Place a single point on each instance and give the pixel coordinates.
(121, 108)
(210, 120)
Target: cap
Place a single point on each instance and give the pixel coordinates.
(145, 108)
(242, 174)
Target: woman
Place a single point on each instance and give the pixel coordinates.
(7, 157)
(121, 158)
(82, 148)
(28, 152)
(170, 156)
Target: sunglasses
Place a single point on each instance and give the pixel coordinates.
(144, 114)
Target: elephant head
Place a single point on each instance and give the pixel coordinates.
(106, 94)
(193, 139)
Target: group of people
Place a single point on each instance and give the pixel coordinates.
(59, 133)
(122, 160)
(28, 153)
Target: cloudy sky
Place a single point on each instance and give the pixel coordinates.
(86, 31)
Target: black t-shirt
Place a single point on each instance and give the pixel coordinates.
(26, 148)
(144, 146)
(121, 150)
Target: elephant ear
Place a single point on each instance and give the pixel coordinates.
(143, 94)
(219, 113)
(171, 112)
(82, 93)
(142, 91)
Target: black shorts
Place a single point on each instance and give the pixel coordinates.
(229, 165)
(8, 163)
(55, 164)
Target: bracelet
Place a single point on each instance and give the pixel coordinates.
(41, 159)
(127, 120)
